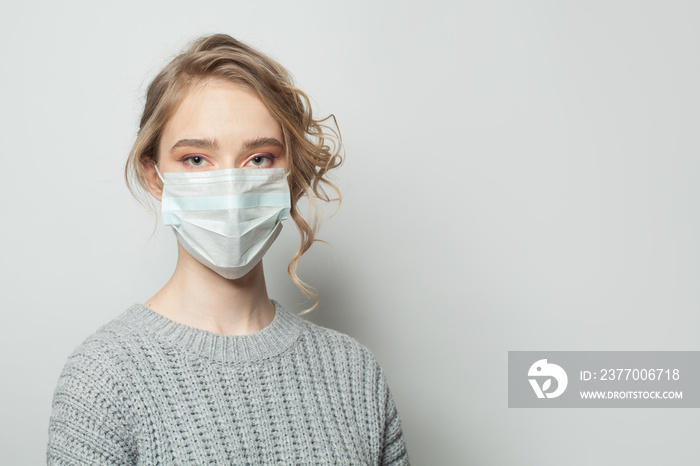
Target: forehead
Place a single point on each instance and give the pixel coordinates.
(220, 110)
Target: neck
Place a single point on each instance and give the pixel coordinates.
(199, 297)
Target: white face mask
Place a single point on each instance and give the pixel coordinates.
(226, 219)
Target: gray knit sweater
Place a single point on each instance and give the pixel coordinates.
(147, 390)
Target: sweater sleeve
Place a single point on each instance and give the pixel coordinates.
(394, 449)
(87, 424)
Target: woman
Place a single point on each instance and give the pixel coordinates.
(210, 370)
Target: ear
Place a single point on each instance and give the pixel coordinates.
(155, 186)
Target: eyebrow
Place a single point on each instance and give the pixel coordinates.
(200, 143)
(211, 144)
(262, 141)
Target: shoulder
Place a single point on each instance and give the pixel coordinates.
(92, 369)
(356, 374)
(333, 338)
(108, 343)
(96, 367)
(94, 374)
(339, 351)
(90, 419)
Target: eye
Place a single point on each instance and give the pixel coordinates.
(194, 160)
(260, 160)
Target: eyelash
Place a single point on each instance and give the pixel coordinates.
(271, 158)
(265, 155)
(186, 159)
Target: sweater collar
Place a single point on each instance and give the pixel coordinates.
(268, 342)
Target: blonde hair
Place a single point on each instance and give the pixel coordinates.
(312, 146)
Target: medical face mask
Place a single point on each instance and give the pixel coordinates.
(226, 219)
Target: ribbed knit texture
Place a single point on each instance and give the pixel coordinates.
(147, 390)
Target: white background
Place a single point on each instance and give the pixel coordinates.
(520, 176)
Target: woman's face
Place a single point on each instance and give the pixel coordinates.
(220, 125)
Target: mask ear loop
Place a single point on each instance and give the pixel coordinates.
(158, 172)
